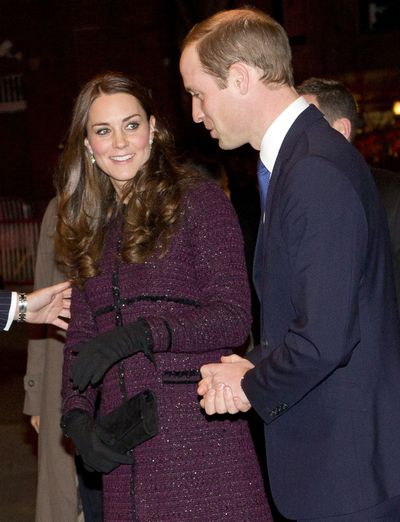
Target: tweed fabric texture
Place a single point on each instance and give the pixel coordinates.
(196, 301)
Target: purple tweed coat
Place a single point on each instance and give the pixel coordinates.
(196, 301)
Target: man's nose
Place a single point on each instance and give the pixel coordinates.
(197, 112)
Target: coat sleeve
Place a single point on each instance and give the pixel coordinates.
(222, 317)
(325, 235)
(81, 328)
(46, 274)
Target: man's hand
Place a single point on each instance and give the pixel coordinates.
(221, 386)
(49, 305)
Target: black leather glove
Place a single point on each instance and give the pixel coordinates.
(98, 355)
(80, 427)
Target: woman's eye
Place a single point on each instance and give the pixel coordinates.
(102, 132)
(133, 125)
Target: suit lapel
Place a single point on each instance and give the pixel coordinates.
(283, 160)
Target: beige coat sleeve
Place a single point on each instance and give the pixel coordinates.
(46, 273)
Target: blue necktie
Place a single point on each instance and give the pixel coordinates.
(263, 175)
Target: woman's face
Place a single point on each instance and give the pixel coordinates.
(119, 136)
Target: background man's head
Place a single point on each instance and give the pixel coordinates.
(335, 101)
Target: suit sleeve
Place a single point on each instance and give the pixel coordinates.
(5, 304)
(389, 187)
(325, 235)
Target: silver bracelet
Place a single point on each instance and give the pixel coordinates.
(22, 307)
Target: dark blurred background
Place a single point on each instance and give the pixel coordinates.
(48, 48)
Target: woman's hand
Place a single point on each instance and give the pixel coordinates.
(35, 422)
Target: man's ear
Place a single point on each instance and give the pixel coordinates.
(87, 145)
(343, 126)
(239, 77)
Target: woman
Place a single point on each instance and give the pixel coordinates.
(151, 246)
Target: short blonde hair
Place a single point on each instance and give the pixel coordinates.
(242, 35)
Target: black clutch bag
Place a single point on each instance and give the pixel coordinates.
(130, 424)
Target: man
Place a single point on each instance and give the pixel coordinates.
(325, 379)
(47, 305)
(339, 107)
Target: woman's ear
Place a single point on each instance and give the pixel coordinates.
(87, 145)
(152, 124)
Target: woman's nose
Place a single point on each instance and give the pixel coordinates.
(119, 139)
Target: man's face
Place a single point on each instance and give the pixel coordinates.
(217, 108)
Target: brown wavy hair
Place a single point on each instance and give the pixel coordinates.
(87, 199)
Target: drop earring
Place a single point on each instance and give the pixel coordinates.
(92, 158)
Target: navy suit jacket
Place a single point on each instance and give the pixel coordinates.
(327, 375)
(5, 303)
(388, 184)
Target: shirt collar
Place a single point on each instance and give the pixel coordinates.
(276, 132)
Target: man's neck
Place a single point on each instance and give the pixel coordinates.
(272, 101)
